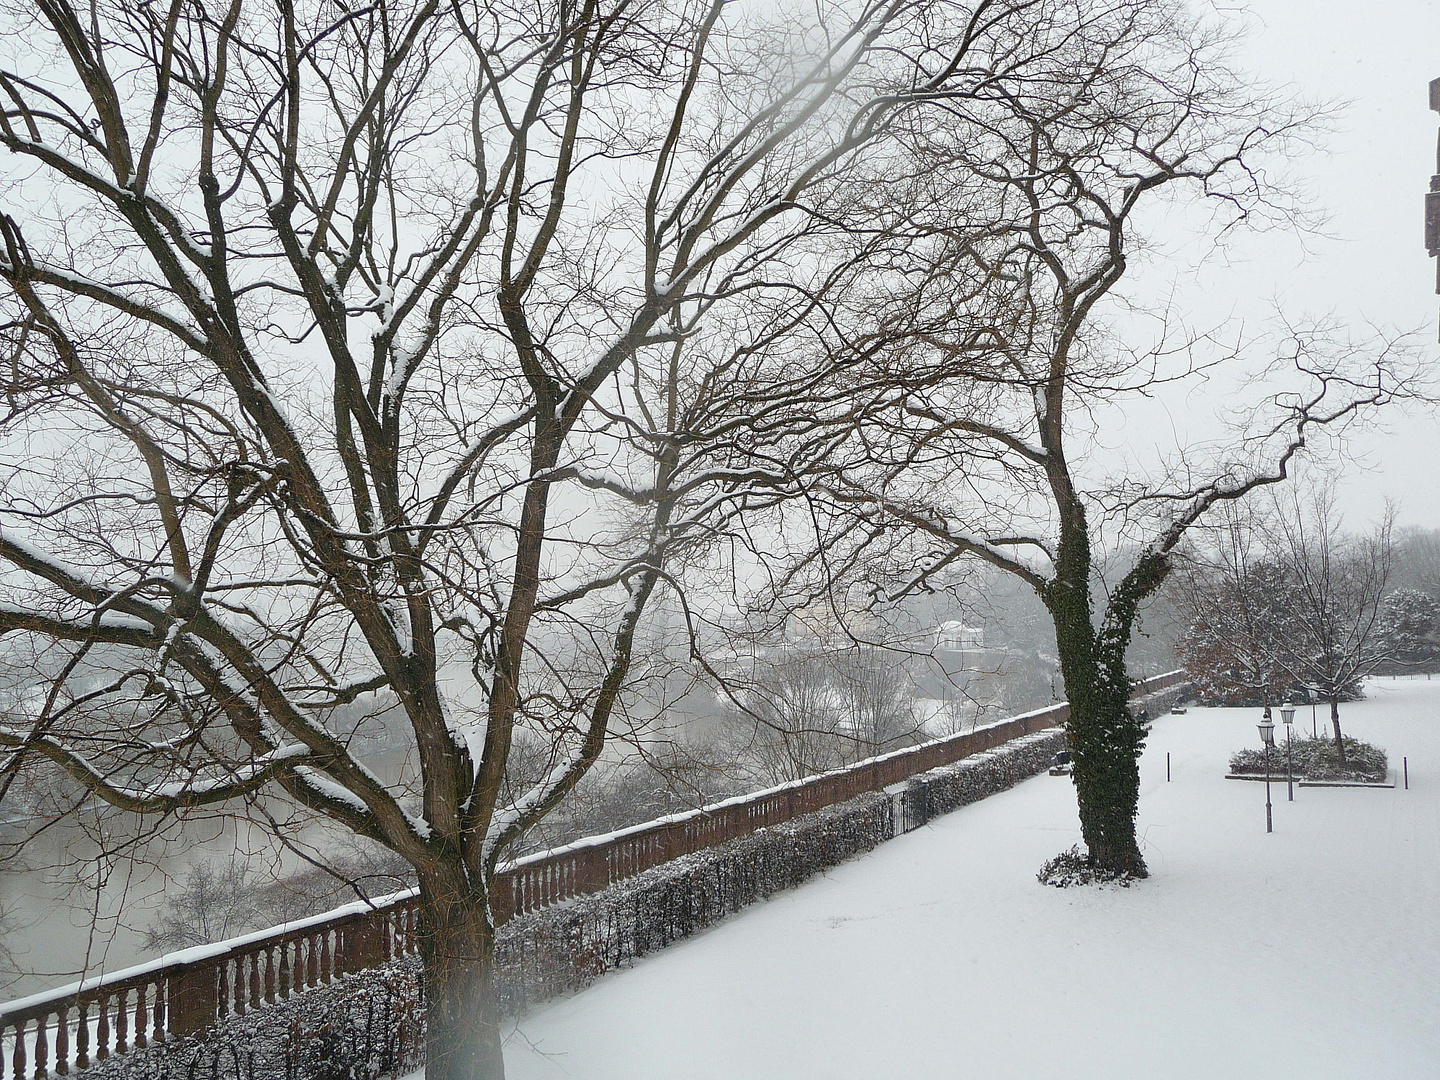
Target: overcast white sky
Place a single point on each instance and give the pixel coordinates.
(1378, 55)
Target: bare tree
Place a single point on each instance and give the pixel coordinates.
(1289, 599)
(1017, 223)
(401, 353)
(786, 719)
(878, 699)
(1235, 602)
(1338, 583)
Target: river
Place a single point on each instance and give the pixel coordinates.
(78, 899)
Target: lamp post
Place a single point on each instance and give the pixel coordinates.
(1287, 714)
(1267, 736)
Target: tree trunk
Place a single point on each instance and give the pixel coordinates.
(462, 1011)
(1335, 725)
(1105, 743)
(1105, 740)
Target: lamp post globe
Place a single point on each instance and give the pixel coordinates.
(1287, 714)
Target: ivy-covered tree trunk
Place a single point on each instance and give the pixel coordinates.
(1105, 737)
(462, 1000)
(1105, 742)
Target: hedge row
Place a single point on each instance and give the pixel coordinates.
(942, 790)
(564, 948)
(368, 1025)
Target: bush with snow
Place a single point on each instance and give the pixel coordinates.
(1315, 759)
(1074, 867)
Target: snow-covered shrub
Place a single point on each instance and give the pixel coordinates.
(368, 1025)
(1315, 759)
(1163, 701)
(1074, 867)
(564, 948)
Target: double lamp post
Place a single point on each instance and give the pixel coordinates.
(1267, 736)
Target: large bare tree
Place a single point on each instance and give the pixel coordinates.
(1011, 220)
(399, 353)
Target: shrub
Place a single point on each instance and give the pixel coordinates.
(1074, 867)
(1316, 759)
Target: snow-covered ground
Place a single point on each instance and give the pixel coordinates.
(1311, 952)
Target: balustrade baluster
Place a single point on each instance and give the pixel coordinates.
(62, 1040)
(17, 1056)
(102, 1028)
(312, 966)
(140, 1015)
(271, 989)
(256, 996)
(42, 1048)
(282, 971)
(242, 990)
(327, 973)
(122, 1021)
(224, 992)
(297, 967)
(391, 938)
(82, 1035)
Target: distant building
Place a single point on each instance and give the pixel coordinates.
(822, 625)
(955, 636)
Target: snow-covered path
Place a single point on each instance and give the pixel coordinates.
(1312, 952)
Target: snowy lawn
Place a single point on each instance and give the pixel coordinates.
(1312, 952)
